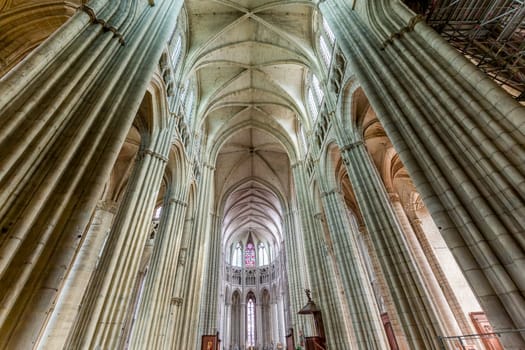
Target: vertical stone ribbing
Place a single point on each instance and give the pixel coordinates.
(321, 273)
(439, 274)
(68, 304)
(384, 293)
(153, 312)
(186, 333)
(447, 318)
(363, 309)
(63, 132)
(105, 305)
(208, 322)
(297, 281)
(414, 307)
(464, 152)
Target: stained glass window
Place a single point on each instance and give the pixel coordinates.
(250, 322)
(249, 255)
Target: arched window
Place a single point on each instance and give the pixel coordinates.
(317, 89)
(190, 102)
(329, 33)
(250, 321)
(326, 53)
(249, 255)
(314, 109)
(156, 213)
(237, 255)
(177, 49)
(262, 254)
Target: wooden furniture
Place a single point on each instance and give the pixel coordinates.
(318, 341)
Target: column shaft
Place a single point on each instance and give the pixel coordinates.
(109, 292)
(464, 154)
(414, 307)
(321, 273)
(363, 309)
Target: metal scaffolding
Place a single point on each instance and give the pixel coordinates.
(490, 33)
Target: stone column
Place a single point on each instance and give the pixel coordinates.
(177, 310)
(274, 319)
(447, 318)
(226, 336)
(69, 300)
(186, 333)
(101, 319)
(208, 322)
(280, 337)
(259, 335)
(297, 278)
(437, 271)
(62, 133)
(465, 155)
(242, 329)
(413, 304)
(152, 317)
(382, 293)
(318, 264)
(364, 313)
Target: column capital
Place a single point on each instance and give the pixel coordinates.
(332, 191)
(417, 221)
(108, 205)
(394, 197)
(297, 164)
(182, 257)
(154, 154)
(209, 166)
(351, 146)
(178, 201)
(177, 301)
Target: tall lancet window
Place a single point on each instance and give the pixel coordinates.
(250, 320)
(262, 255)
(237, 255)
(249, 255)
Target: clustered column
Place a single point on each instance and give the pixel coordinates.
(414, 307)
(62, 133)
(187, 323)
(363, 309)
(322, 276)
(465, 155)
(151, 325)
(104, 307)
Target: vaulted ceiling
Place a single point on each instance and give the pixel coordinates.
(250, 59)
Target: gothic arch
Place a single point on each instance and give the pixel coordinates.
(27, 24)
(274, 129)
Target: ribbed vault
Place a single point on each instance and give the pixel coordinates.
(250, 60)
(253, 179)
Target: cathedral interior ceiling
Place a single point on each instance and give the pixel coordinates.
(250, 59)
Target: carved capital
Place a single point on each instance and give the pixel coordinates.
(109, 206)
(394, 197)
(351, 146)
(154, 154)
(177, 301)
(182, 257)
